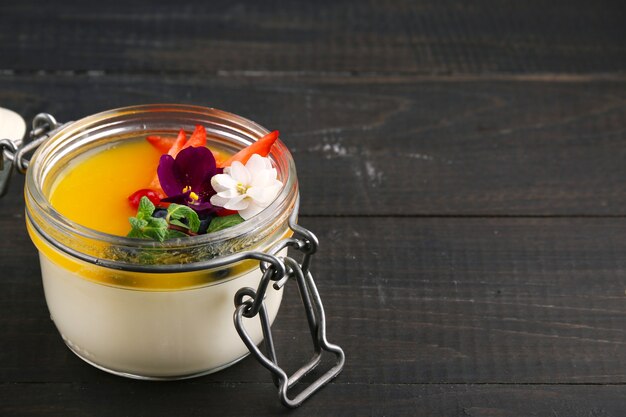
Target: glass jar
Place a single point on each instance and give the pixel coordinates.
(145, 309)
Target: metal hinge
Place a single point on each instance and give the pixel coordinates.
(14, 151)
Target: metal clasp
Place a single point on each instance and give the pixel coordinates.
(249, 303)
(14, 151)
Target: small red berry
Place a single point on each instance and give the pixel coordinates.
(135, 197)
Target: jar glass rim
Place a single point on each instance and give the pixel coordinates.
(73, 136)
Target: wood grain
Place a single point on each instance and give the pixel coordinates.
(461, 162)
(443, 37)
(411, 301)
(193, 398)
(403, 145)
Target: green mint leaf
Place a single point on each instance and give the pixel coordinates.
(148, 228)
(179, 223)
(156, 229)
(221, 223)
(137, 224)
(145, 209)
(179, 212)
(136, 233)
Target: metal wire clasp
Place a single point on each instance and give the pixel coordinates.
(13, 152)
(249, 303)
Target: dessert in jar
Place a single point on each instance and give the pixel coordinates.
(137, 299)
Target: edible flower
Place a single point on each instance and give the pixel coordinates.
(246, 188)
(186, 179)
(208, 191)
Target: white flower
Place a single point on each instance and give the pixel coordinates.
(247, 189)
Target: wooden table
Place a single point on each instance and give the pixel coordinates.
(462, 164)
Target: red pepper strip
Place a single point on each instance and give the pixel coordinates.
(178, 144)
(198, 138)
(162, 144)
(225, 212)
(261, 147)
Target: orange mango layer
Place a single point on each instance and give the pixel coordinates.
(94, 190)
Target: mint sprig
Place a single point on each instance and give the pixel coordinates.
(144, 226)
(221, 223)
(148, 229)
(180, 221)
(176, 213)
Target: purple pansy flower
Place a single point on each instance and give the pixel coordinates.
(187, 179)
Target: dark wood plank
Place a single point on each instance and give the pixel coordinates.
(400, 145)
(191, 398)
(389, 36)
(410, 300)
